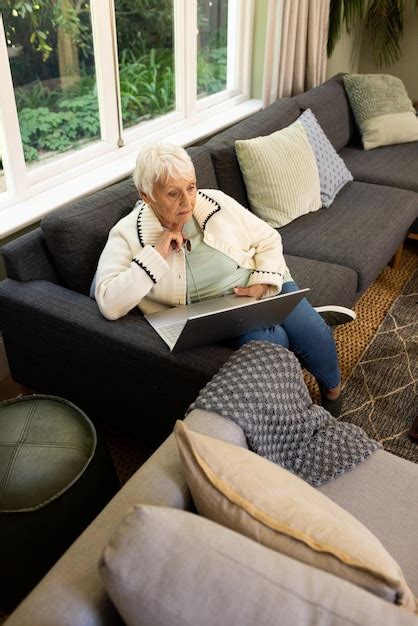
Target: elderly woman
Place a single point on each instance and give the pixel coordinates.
(181, 245)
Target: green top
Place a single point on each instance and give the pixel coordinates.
(210, 274)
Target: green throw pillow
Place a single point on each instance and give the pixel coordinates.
(382, 108)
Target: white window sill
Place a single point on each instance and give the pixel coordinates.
(119, 165)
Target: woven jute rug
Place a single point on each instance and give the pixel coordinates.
(378, 368)
(381, 395)
(352, 339)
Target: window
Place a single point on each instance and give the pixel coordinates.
(50, 51)
(84, 83)
(212, 33)
(146, 59)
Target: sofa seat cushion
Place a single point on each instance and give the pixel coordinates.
(222, 147)
(382, 493)
(362, 229)
(169, 567)
(394, 166)
(328, 283)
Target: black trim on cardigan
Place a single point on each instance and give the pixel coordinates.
(139, 225)
(265, 272)
(217, 205)
(146, 270)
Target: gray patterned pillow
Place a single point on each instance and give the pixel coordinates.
(333, 172)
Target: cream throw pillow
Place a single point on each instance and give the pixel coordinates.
(249, 494)
(280, 174)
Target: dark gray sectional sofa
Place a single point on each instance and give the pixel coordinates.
(121, 372)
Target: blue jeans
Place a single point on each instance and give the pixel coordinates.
(307, 335)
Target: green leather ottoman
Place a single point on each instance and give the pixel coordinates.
(55, 477)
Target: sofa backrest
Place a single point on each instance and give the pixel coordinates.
(222, 147)
(329, 103)
(77, 232)
(28, 258)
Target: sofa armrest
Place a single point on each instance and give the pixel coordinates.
(120, 370)
(71, 594)
(28, 258)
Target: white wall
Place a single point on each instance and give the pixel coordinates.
(259, 39)
(406, 68)
(346, 55)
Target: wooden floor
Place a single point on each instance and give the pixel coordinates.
(9, 389)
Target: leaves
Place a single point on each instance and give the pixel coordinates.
(385, 21)
(146, 84)
(41, 20)
(74, 119)
(382, 19)
(56, 119)
(348, 12)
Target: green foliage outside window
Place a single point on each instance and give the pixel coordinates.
(46, 130)
(211, 70)
(57, 120)
(54, 118)
(146, 85)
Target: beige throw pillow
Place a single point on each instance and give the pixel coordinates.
(249, 494)
(280, 174)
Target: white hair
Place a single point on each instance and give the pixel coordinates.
(157, 163)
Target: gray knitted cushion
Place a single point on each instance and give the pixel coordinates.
(261, 388)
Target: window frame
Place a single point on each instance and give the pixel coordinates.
(194, 118)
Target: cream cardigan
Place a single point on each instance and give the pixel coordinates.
(132, 273)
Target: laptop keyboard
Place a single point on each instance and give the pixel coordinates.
(172, 332)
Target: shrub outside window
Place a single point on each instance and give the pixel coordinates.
(50, 50)
(145, 38)
(212, 41)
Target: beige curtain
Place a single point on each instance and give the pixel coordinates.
(301, 26)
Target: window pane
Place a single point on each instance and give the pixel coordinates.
(50, 49)
(146, 58)
(212, 22)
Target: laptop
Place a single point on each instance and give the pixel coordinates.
(192, 325)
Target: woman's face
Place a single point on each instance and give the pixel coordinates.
(173, 202)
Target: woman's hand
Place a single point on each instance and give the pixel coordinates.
(255, 291)
(170, 239)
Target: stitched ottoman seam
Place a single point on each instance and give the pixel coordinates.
(34, 444)
(19, 444)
